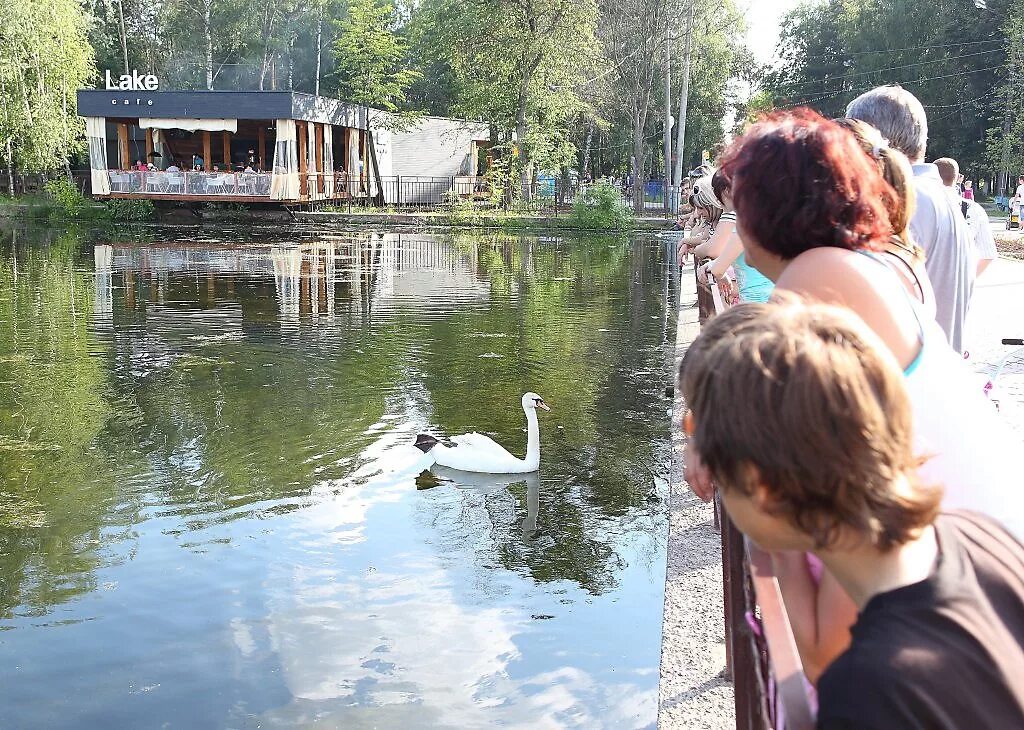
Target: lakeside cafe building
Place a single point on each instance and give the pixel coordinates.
(232, 146)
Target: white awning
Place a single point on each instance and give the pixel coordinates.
(191, 125)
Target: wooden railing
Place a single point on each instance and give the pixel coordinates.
(761, 654)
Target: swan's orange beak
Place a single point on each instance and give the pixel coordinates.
(542, 404)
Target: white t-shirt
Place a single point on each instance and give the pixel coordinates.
(981, 227)
(1020, 192)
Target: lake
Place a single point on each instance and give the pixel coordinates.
(210, 515)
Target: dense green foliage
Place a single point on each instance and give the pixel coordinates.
(955, 57)
(601, 208)
(565, 84)
(44, 58)
(68, 201)
(130, 211)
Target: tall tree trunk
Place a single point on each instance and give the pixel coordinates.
(684, 100)
(586, 150)
(638, 158)
(668, 121)
(124, 34)
(10, 167)
(521, 152)
(319, 47)
(208, 37)
(268, 56)
(291, 64)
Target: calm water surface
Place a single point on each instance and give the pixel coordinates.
(209, 515)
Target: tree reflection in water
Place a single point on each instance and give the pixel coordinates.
(199, 390)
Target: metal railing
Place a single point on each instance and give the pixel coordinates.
(190, 182)
(769, 685)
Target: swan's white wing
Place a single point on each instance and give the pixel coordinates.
(481, 444)
(478, 453)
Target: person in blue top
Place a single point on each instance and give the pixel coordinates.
(751, 285)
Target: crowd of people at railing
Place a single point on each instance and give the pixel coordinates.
(832, 413)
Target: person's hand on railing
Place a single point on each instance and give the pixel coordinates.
(697, 475)
(728, 288)
(703, 270)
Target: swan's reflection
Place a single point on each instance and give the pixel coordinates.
(487, 484)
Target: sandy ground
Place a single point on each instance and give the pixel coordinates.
(694, 692)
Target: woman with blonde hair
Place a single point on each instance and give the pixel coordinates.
(896, 170)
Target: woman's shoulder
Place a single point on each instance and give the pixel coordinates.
(829, 262)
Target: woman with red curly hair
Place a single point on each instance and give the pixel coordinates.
(813, 214)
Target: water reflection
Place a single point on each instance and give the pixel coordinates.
(209, 489)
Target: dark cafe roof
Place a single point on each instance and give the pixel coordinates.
(220, 105)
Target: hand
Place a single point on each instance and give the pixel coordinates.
(702, 273)
(728, 288)
(683, 252)
(697, 475)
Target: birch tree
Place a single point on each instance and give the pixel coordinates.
(44, 58)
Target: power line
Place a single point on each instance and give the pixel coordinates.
(892, 68)
(915, 48)
(834, 95)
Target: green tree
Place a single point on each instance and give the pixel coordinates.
(955, 61)
(518, 65)
(44, 58)
(368, 56)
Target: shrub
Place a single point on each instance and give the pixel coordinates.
(131, 211)
(600, 207)
(463, 211)
(67, 200)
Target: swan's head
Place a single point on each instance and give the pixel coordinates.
(533, 401)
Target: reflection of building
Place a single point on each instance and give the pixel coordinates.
(270, 147)
(361, 272)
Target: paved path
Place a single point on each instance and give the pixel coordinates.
(997, 311)
(694, 692)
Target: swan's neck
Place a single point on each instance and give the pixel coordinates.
(532, 438)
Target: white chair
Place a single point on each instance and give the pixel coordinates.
(215, 184)
(119, 182)
(175, 182)
(156, 182)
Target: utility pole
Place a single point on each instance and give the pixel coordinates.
(684, 98)
(668, 120)
(1004, 171)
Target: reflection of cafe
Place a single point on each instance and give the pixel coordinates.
(231, 146)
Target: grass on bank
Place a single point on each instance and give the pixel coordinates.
(599, 208)
(63, 201)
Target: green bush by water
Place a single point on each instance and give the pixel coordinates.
(600, 208)
(130, 211)
(67, 200)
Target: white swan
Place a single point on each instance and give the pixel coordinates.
(478, 453)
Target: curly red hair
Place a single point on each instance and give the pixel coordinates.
(800, 181)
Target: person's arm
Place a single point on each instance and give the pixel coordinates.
(730, 252)
(686, 244)
(984, 241)
(712, 248)
(820, 614)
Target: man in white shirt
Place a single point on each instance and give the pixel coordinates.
(938, 226)
(1020, 188)
(977, 218)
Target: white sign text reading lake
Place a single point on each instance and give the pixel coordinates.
(132, 82)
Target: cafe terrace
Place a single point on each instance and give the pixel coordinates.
(269, 147)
